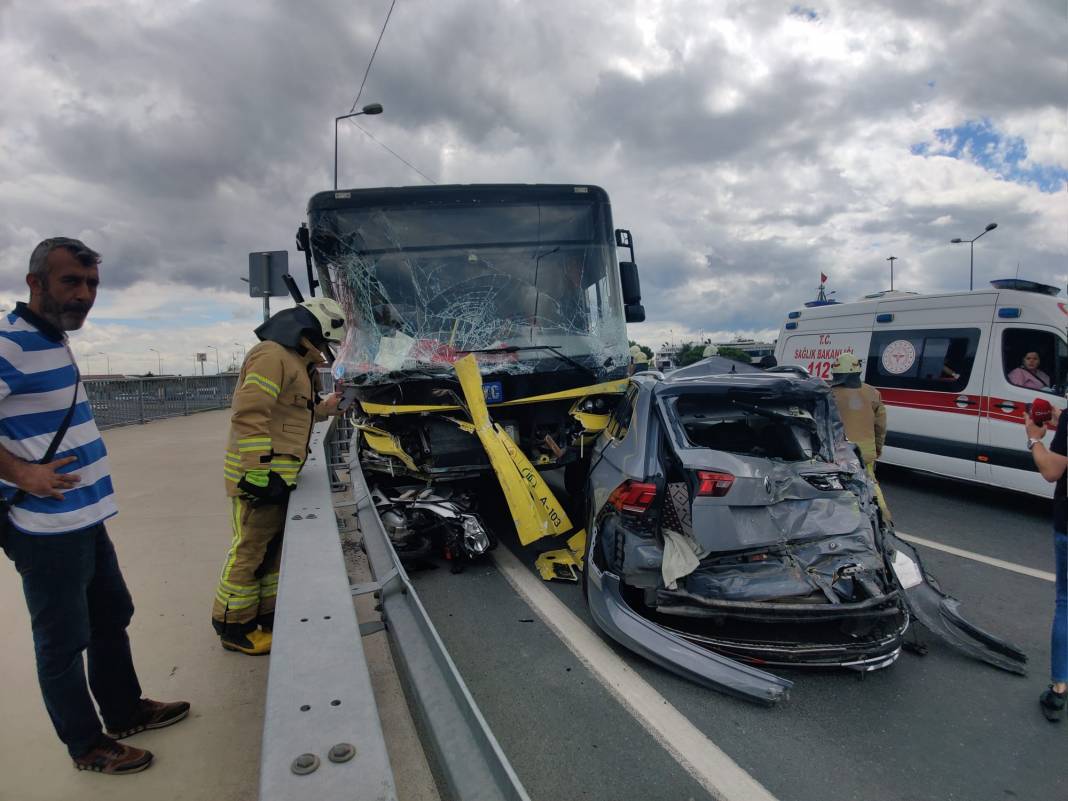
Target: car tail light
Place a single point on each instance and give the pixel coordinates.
(633, 496)
(714, 484)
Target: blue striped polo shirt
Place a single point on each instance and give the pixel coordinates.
(37, 376)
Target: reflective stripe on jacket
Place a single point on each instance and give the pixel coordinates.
(864, 418)
(272, 412)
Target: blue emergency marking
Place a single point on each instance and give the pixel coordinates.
(493, 391)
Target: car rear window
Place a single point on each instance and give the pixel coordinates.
(719, 424)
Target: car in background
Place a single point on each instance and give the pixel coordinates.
(732, 528)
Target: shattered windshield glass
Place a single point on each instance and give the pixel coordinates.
(423, 284)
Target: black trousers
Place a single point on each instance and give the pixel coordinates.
(78, 602)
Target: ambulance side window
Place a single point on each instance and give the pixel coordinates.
(1034, 360)
(939, 360)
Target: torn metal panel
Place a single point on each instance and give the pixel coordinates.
(670, 651)
(940, 613)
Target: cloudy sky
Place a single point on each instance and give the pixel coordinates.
(748, 145)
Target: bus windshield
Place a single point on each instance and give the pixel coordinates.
(424, 284)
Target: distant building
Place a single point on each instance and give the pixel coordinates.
(666, 358)
(756, 350)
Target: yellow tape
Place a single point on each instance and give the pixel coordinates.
(607, 388)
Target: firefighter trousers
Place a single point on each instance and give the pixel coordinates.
(879, 499)
(248, 584)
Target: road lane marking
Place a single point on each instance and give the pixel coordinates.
(720, 775)
(978, 557)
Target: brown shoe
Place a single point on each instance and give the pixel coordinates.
(108, 756)
(151, 715)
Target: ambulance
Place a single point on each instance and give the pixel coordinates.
(951, 370)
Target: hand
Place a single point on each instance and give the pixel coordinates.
(45, 480)
(328, 406)
(263, 487)
(1034, 431)
(1056, 418)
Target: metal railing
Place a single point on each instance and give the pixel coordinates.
(471, 762)
(123, 401)
(322, 737)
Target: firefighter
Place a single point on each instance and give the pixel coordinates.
(639, 361)
(861, 408)
(273, 410)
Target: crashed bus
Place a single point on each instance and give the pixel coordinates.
(487, 336)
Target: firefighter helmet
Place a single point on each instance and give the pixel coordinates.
(846, 364)
(331, 318)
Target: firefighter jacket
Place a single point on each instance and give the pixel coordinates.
(272, 413)
(864, 418)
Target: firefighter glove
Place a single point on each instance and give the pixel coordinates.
(264, 487)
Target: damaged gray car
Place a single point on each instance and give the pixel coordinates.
(733, 528)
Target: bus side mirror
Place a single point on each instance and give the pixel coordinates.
(628, 276)
(634, 313)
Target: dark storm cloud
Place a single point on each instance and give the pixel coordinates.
(747, 146)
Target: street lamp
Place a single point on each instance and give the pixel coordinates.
(107, 359)
(971, 259)
(242, 351)
(159, 361)
(371, 108)
(217, 370)
(892, 259)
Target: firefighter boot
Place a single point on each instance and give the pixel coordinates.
(246, 638)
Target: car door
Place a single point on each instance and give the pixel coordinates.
(1003, 457)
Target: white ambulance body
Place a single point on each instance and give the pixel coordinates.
(942, 365)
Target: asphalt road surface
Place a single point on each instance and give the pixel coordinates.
(935, 727)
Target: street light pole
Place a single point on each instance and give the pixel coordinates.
(371, 108)
(159, 361)
(242, 351)
(892, 259)
(217, 370)
(107, 359)
(971, 255)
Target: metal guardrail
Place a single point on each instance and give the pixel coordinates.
(468, 756)
(322, 737)
(123, 401)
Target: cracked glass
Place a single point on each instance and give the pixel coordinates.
(529, 286)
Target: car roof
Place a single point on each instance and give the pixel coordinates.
(757, 384)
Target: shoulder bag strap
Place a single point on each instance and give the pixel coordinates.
(20, 496)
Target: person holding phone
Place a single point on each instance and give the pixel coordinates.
(1052, 464)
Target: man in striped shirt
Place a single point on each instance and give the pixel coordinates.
(74, 589)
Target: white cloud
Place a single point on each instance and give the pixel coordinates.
(747, 147)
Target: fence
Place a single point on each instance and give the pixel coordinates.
(120, 402)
